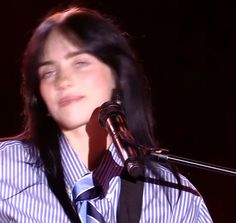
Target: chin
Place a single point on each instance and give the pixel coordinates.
(73, 124)
(77, 119)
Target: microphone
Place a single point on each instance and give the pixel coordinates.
(112, 118)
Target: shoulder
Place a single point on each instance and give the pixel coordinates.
(183, 199)
(176, 189)
(15, 154)
(11, 143)
(17, 169)
(166, 175)
(16, 150)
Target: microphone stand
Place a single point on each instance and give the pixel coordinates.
(113, 119)
(162, 157)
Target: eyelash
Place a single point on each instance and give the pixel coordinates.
(47, 74)
(81, 63)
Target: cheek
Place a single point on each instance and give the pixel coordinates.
(104, 87)
(45, 93)
(105, 81)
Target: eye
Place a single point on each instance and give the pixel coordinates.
(46, 72)
(81, 63)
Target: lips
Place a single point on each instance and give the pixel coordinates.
(69, 100)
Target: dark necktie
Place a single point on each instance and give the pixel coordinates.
(84, 192)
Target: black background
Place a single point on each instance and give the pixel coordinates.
(188, 51)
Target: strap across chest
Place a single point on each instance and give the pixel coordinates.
(130, 202)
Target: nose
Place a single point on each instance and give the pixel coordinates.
(63, 80)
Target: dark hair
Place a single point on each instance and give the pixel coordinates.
(101, 38)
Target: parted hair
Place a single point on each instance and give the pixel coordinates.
(100, 37)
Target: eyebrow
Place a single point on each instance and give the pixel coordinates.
(67, 56)
(73, 54)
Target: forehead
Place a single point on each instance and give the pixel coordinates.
(58, 43)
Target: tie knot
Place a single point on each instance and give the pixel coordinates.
(83, 194)
(84, 189)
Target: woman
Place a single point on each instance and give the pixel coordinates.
(75, 61)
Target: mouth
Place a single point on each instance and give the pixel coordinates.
(69, 100)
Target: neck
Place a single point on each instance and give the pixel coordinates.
(89, 143)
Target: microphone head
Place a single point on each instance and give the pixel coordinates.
(109, 109)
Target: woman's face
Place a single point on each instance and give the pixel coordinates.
(73, 83)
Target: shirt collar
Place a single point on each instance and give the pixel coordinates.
(110, 166)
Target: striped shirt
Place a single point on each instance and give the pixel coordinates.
(26, 197)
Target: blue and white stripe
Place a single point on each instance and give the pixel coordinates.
(24, 193)
(25, 196)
